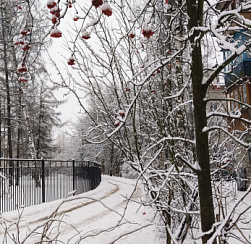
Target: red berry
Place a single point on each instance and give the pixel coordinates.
(131, 35)
(26, 47)
(54, 19)
(86, 35)
(117, 123)
(71, 61)
(24, 32)
(122, 113)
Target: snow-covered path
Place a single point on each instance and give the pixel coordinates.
(103, 215)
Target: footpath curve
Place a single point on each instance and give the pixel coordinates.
(104, 215)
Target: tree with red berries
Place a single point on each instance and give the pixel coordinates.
(146, 71)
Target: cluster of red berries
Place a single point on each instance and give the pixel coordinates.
(22, 79)
(19, 7)
(20, 40)
(71, 61)
(105, 7)
(70, 3)
(26, 47)
(56, 33)
(54, 10)
(121, 115)
(97, 3)
(76, 18)
(147, 32)
(21, 68)
(86, 35)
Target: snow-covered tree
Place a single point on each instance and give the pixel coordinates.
(23, 69)
(147, 68)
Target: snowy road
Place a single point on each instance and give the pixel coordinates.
(102, 216)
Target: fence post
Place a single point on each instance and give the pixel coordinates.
(73, 175)
(43, 180)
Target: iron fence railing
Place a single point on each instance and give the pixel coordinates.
(26, 182)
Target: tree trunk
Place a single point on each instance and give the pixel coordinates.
(195, 12)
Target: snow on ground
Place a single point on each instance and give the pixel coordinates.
(106, 216)
(103, 215)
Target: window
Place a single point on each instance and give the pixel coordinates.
(232, 105)
(240, 93)
(228, 103)
(236, 98)
(226, 54)
(240, 97)
(235, 94)
(244, 93)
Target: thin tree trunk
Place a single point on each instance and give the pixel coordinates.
(111, 160)
(19, 129)
(1, 153)
(195, 12)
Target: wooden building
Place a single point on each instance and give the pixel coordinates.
(238, 86)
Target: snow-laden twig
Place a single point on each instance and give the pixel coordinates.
(244, 144)
(227, 219)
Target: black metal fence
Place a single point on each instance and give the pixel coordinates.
(26, 182)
